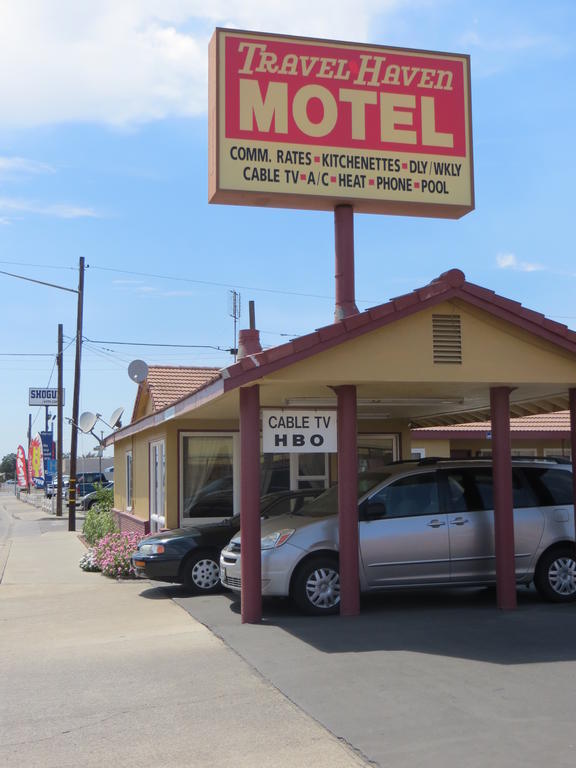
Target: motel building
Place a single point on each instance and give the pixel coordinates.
(447, 353)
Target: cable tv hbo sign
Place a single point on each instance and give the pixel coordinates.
(299, 431)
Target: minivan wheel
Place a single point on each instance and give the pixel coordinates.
(316, 586)
(201, 574)
(555, 577)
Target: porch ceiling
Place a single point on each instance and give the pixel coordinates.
(421, 403)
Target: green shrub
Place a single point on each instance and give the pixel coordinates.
(104, 498)
(99, 522)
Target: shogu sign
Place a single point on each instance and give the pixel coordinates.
(303, 123)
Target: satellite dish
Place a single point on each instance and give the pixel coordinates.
(115, 418)
(86, 421)
(138, 370)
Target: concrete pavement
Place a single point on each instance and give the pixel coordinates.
(95, 672)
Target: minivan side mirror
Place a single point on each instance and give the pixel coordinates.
(373, 510)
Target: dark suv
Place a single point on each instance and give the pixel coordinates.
(86, 482)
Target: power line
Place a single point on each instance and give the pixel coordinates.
(152, 344)
(42, 266)
(39, 282)
(212, 283)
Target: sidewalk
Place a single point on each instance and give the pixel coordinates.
(92, 673)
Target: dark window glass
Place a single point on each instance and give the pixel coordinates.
(409, 496)
(462, 493)
(551, 486)
(472, 489)
(523, 493)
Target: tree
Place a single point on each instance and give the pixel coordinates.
(8, 466)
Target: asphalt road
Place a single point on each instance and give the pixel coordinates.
(432, 678)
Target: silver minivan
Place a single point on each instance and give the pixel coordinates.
(429, 523)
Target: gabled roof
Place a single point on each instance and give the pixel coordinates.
(450, 285)
(541, 424)
(166, 384)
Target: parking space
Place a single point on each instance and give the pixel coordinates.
(435, 678)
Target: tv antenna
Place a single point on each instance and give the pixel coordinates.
(235, 310)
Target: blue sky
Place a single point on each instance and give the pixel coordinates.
(103, 154)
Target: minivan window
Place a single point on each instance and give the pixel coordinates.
(553, 487)
(472, 490)
(406, 497)
(327, 503)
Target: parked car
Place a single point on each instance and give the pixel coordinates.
(86, 482)
(425, 524)
(87, 502)
(190, 555)
(53, 485)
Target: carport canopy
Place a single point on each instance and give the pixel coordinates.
(450, 352)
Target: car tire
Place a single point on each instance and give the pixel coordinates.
(555, 577)
(316, 586)
(201, 573)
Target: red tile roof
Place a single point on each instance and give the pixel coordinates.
(540, 422)
(166, 384)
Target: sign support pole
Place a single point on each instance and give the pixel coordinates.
(344, 252)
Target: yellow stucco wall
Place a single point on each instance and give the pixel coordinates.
(438, 448)
(492, 350)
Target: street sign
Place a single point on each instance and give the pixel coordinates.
(44, 396)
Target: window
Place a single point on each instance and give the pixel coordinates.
(312, 470)
(557, 452)
(207, 471)
(129, 480)
(552, 486)
(376, 451)
(407, 497)
(472, 490)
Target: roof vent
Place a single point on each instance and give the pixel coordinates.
(447, 339)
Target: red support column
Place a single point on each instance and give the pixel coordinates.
(503, 500)
(344, 248)
(572, 396)
(250, 504)
(348, 501)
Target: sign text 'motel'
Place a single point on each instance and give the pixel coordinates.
(43, 396)
(299, 431)
(303, 123)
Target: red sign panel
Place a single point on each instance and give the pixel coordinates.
(310, 123)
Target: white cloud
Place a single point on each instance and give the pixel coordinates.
(57, 210)
(11, 166)
(129, 61)
(509, 261)
(514, 43)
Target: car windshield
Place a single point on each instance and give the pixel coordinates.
(327, 503)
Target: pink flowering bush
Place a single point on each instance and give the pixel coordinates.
(112, 554)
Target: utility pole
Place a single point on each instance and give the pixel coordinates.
(76, 403)
(59, 434)
(29, 441)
